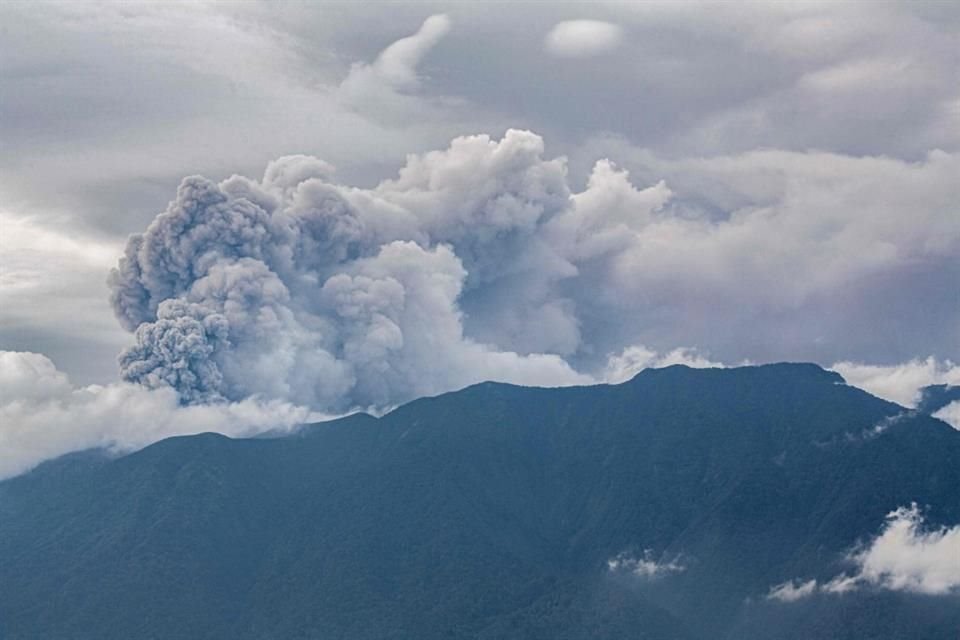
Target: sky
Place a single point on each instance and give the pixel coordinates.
(235, 216)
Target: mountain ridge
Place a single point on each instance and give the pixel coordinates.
(492, 511)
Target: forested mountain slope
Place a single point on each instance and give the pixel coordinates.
(664, 507)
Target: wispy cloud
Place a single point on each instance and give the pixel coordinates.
(792, 591)
(648, 566)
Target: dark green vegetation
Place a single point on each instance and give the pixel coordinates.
(491, 513)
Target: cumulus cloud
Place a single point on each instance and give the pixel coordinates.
(44, 415)
(583, 38)
(774, 255)
(648, 566)
(906, 556)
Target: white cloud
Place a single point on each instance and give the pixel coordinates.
(634, 359)
(792, 591)
(583, 38)
(387, 88)
(646, 567)
(54, 268)
(43, 415)
(829, 217)
(397, 64)
(788, 256)
(950, 414)
(906, 556)
(900, 383)
(52, 280)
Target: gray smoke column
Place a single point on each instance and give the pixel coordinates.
(480, 262)
(298, 288)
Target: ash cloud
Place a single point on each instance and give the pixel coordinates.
(299, 288)
(481, 261)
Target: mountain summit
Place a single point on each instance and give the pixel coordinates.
(684, 503)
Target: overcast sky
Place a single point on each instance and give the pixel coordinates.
(724, 182)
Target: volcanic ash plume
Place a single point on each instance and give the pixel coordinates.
(333, 297)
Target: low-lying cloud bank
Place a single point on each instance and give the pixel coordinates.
(901, 383)
(42, 415)
(950, 414)
(905, 383)
(906, 556)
